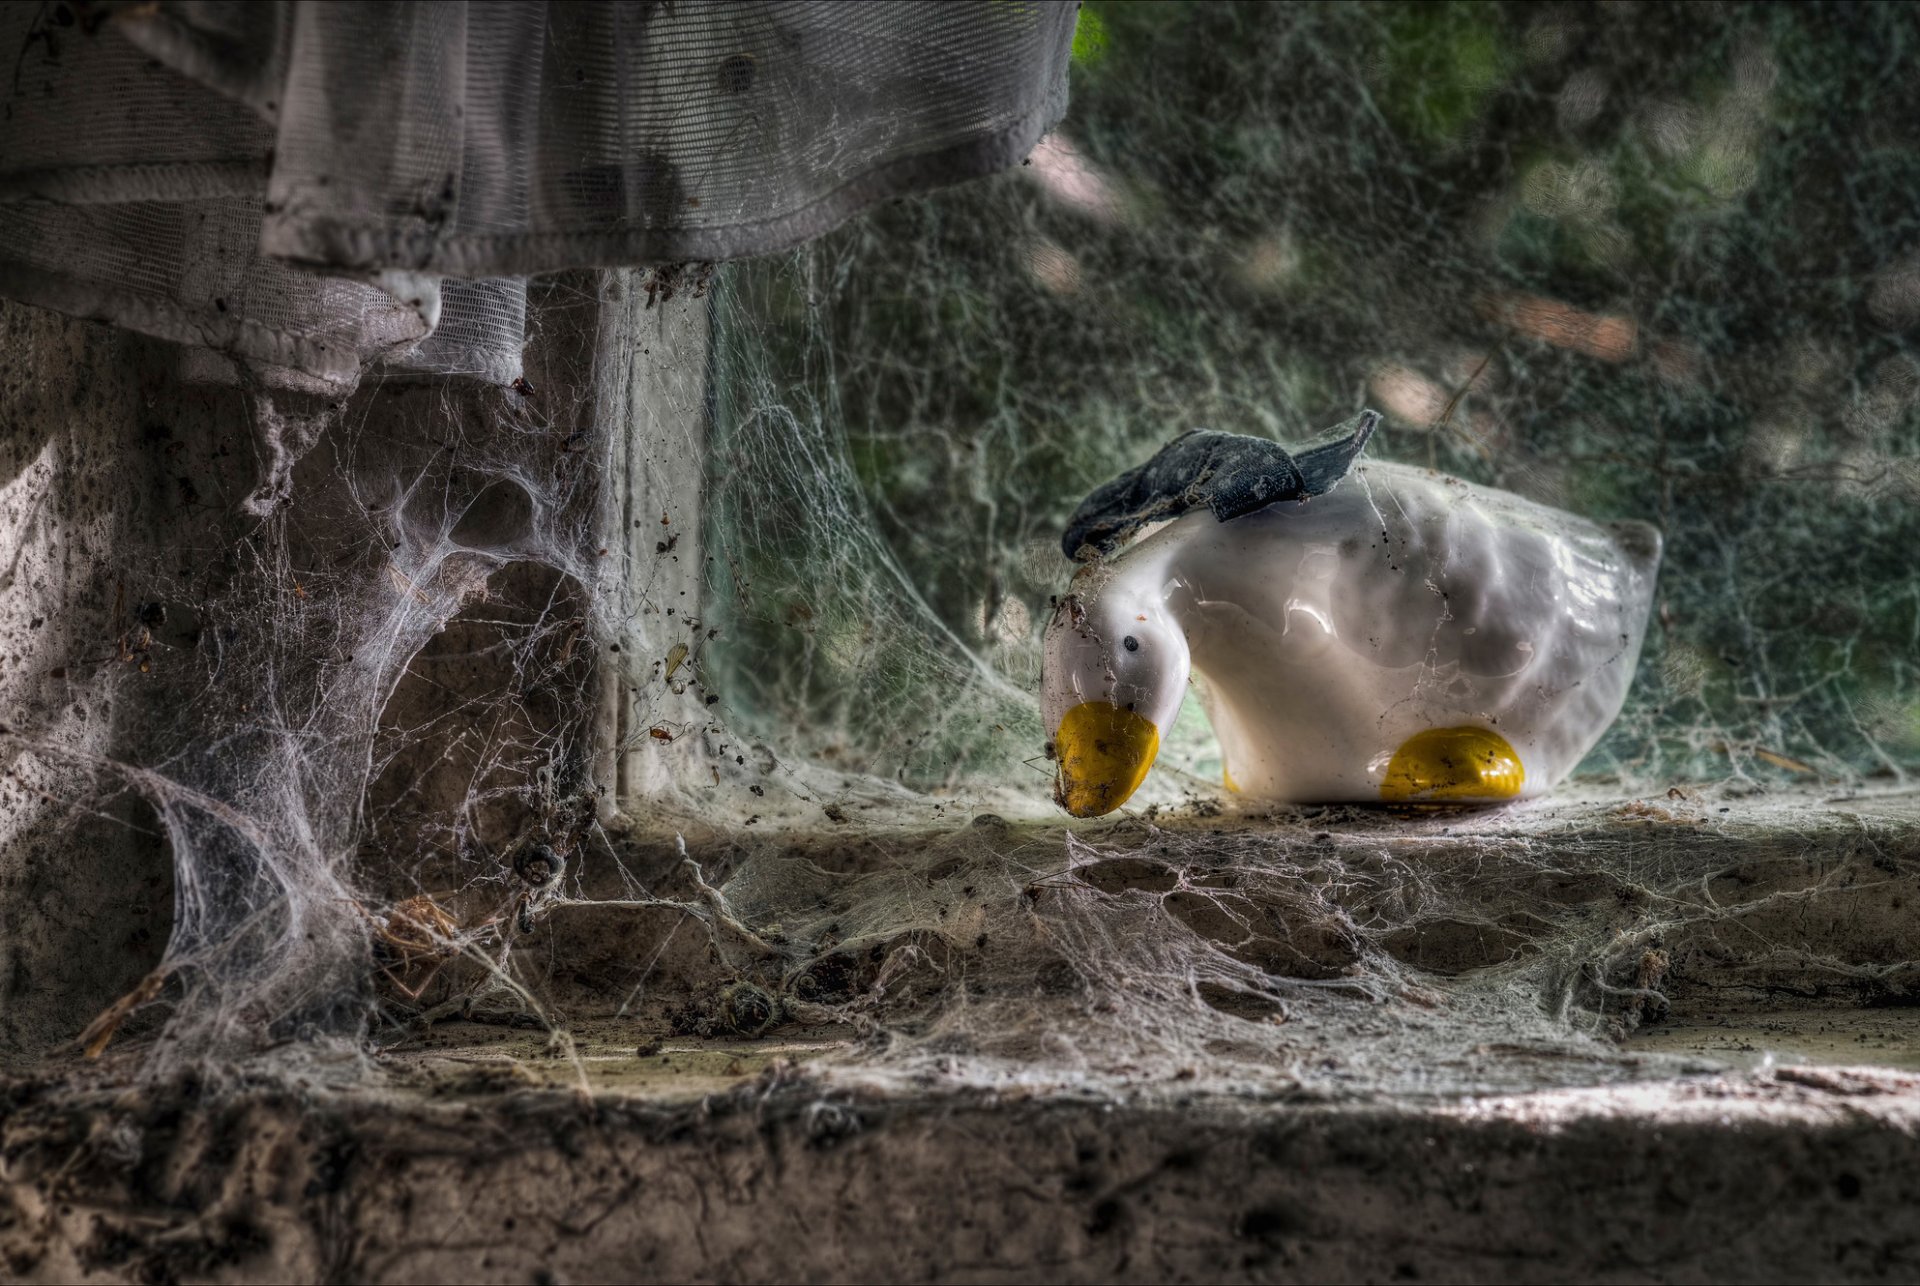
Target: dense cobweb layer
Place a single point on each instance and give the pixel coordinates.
(1638, 263)
(1517, 232)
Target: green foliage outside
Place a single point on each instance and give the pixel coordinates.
(1633, 260)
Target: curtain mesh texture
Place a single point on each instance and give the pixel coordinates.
(312, 187)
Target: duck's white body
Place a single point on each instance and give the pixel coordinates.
(1364, 644)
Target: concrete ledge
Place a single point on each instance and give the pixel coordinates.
(1804, 1174)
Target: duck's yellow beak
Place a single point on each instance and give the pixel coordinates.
(1103, 753)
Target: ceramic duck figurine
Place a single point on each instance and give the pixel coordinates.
(1366, 631)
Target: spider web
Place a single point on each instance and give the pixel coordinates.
(1639, 264)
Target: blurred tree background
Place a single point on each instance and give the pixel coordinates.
(1633, 260)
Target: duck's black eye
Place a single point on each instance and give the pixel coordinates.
(1130, 643)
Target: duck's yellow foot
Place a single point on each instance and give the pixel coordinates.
(1453, 765)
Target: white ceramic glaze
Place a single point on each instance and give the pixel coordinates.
(1330, 632)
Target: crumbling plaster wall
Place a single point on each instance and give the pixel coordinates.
(121, 515)
(121, 490)
(88, 472)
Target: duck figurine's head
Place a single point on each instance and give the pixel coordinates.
(1116, 670)
(1405, 638)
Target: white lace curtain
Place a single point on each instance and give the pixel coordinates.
(306, 188)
